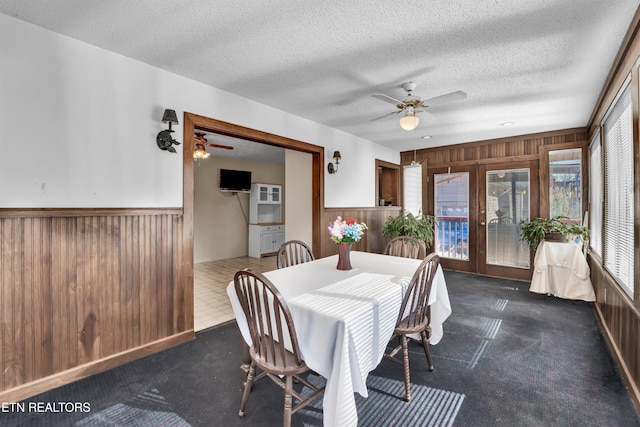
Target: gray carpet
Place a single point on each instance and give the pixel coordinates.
(508, 357)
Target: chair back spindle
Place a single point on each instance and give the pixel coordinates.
(415, 310)
(294, 252)
(268, 317)
(407, 247)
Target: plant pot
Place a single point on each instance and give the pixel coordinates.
(555, 236)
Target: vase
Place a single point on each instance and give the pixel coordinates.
(344, 256)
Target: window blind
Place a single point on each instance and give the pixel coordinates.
(412, 196)
(595, 195)
(618, 190)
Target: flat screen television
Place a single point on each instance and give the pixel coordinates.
(234, 180)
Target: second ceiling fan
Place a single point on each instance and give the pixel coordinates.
(199, 151)
(413, 104)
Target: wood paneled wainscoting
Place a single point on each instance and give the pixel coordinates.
(84, 290)
(372, 241)
(620, 322)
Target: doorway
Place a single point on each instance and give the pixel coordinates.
(478, 210)
(193, 122)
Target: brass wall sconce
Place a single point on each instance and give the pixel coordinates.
(164, 139)
(330, 167)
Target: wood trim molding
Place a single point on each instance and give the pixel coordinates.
(543, 171)
(39, 386)
(84, 212)
(398, 186)
(616, 72)
(193, 121)
(484, 142)
(509, 159)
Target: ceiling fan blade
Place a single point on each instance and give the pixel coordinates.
(427, 114)
(386, 98)
(383, 116)
(449, 97)
(225, 147)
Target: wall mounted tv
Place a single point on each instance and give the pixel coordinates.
(236, 181)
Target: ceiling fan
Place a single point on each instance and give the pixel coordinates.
(413, 104)
(200, 152)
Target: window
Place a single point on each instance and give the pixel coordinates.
(565, 184)
(413, 189)
(618, 190)
(595, 195)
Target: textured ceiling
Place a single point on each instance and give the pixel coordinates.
(540, 64)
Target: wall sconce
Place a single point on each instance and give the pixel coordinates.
(330, 167)
(164, 139)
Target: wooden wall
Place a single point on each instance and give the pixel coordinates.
(619, 315)
(372, 241)
(523, 147)
(84, 290)
(620, 321)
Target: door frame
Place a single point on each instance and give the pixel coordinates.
(534, 194)
(471, 265)
(477, 201)
(190, 123)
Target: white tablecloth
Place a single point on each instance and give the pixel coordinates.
(561, 269)
(344, 319)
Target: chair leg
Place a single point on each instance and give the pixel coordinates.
(405, 366)
(286, 421)
(425, 345)
(247, 388)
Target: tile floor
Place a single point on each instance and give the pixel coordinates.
(211, 303)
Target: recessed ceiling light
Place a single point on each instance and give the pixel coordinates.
(426, 137)
(507, 124)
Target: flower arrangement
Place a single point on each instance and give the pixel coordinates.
(346, 231)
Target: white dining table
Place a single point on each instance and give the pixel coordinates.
(345, 319)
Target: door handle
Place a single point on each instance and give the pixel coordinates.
(482, 223)
(482, 212)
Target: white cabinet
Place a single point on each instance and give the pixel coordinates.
(266, 230)
(265, 203)
(269, 193)
(264, 239)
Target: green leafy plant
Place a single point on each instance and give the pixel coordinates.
(534, 231)
(421, 227)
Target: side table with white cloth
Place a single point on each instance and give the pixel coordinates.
(560, 269)
(345, 319)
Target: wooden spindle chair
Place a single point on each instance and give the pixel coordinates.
(294, 252)
(407, 247)
(274, 344)
(414, 317)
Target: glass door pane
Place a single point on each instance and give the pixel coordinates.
(451, 209)
(507, 204)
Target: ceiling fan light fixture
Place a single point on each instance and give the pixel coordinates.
(409, 122)
(200, 152)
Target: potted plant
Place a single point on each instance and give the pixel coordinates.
(554, 229)
(422, 227)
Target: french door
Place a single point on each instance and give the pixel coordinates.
(478, 209)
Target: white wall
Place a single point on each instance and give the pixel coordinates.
(78, 127)
(298, 207)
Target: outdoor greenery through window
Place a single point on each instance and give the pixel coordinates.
(565, 184)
